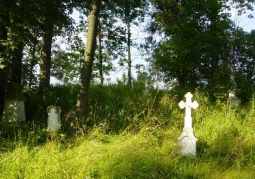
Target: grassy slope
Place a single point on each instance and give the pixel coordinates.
(145, 147)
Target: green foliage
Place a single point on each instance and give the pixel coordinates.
(200, 43)
(119, 106)
(1, 65)
(244, 89)
(72, 54)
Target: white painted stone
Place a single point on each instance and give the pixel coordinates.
(14, 108)
(187, 140)
(188, 105)
(231, 94)
(232, 99)
(53, 118)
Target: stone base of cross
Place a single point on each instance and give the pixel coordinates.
(187, 140)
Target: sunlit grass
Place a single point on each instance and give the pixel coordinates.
(145, 146)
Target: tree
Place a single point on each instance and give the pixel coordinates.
(13, 36)
(5, 20)
(129, 11)
(63, 57)
(197, 42)
(30, 60)
(82, 107)
(45, 62)
(23, 23)
(110, 38)
(55, 16)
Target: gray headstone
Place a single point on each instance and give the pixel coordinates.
(14, 109)
(53, 118)
(232, 99)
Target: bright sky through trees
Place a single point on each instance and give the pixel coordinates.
(248, 24)
(138, 36)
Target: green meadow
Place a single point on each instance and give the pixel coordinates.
(131, 134)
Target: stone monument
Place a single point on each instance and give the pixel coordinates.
(232, 99)
(14, 109)
(53, 118)
(187, 140)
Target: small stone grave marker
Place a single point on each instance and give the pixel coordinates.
(53, 118)
(14, 109)
(187, 140)
(232, 100)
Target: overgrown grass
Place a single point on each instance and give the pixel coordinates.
(135, 136)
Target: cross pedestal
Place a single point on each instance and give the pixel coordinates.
(187, 140)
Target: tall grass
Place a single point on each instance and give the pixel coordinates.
(135, 136)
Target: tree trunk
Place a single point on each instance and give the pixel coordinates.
(32, 64)
(129, 52)
(4, 19)
(16, 63)
(82, 107)
(3, 32)
(45, 62)
(100, 56)
(181, 79)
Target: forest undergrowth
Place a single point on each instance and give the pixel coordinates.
(135, 135)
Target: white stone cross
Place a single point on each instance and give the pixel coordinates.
(187, 139)
(188, 104)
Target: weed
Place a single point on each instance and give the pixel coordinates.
(132, 134)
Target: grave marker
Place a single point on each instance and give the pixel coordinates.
(232, 99)
(14, 109)
(53, 118)
(187, 140)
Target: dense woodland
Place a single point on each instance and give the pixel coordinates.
(199, 46)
